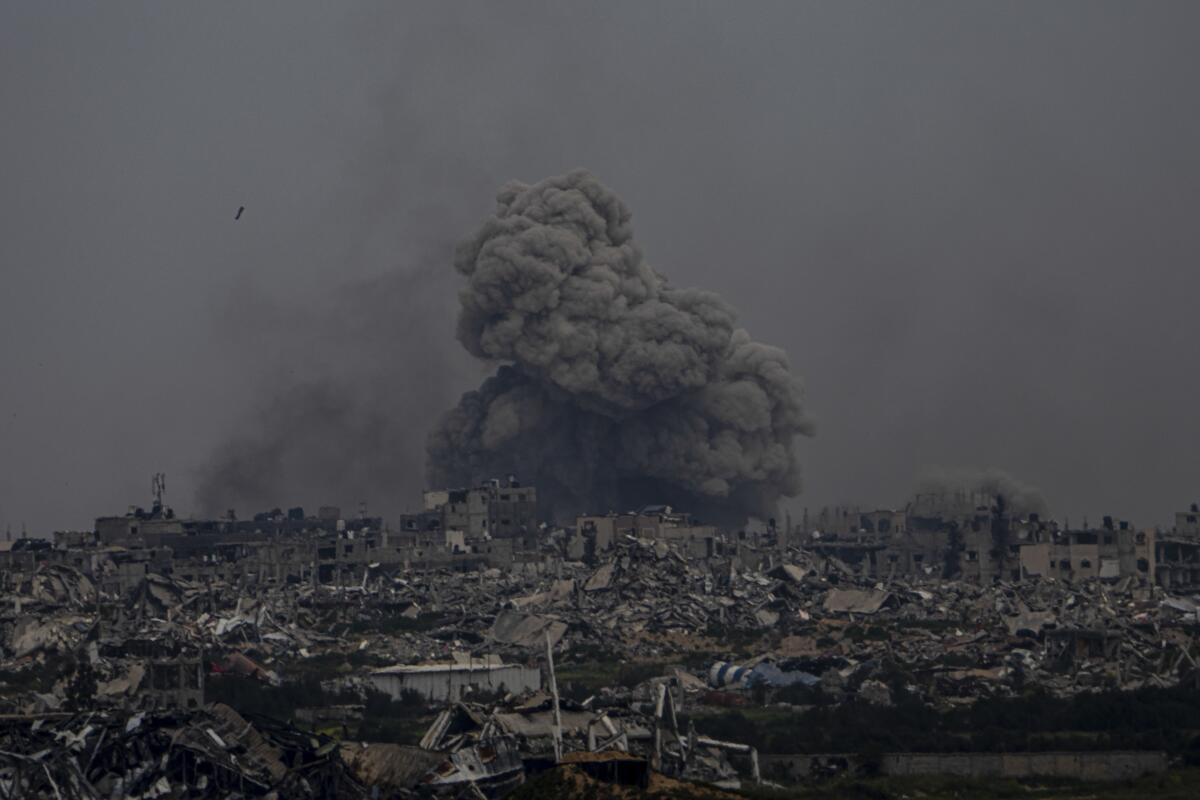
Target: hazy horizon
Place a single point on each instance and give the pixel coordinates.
(968, 225)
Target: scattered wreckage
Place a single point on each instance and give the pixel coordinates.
(200, 753)
(104, 693)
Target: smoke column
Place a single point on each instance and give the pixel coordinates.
(614, 388)
(351, 383)
(967, 485)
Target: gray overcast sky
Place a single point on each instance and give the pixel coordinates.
(971, 225)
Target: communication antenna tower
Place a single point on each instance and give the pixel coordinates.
(158, 485)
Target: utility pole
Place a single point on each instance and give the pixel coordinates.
(554, 693)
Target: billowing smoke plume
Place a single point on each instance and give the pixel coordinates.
(349, 383)
(964, 489)
(615, 388)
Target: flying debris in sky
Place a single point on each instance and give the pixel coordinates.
(238, 215)
(614, 388)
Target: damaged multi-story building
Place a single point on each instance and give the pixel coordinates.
(491, 525)
(594, 535)
(1176, 562)
(458, 612)
(1115, 550)
(494, 524)
(498, 509)
(273, 546)
(978, 540)
(933, 536)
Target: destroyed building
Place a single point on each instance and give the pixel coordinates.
(926, 539)
(1176, 562)
(499, 509)
(966, 605)
(1187, 523)
(987, 543)
(594, 535)
(1113, 551)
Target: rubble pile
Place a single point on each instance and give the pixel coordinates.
(957, 642)
(486, 740)
(805, 616)
(202, 753)
(94, 681)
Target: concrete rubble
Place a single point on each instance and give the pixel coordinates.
(104, 681)
(203, 753)
(964, 639)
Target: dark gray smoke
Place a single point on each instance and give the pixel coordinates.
(616, 388)
(965, 488)
(349, 383)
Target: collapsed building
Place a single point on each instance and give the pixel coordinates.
(1177, 554)
(987, 543)
(597, 535)
(492, 525)
(496, 525)
(151, 614)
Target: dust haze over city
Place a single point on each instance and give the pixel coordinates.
(968, 228)
(768, 264)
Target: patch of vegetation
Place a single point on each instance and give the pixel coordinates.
(1175, 785)
(738, 640)
(252, 696)
(578, 681)
(698, 660)
(402, 721)
(800, 695)
(571, 783)
(326, 666)
(397, 624)
(1148, 719)
(588, 652)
